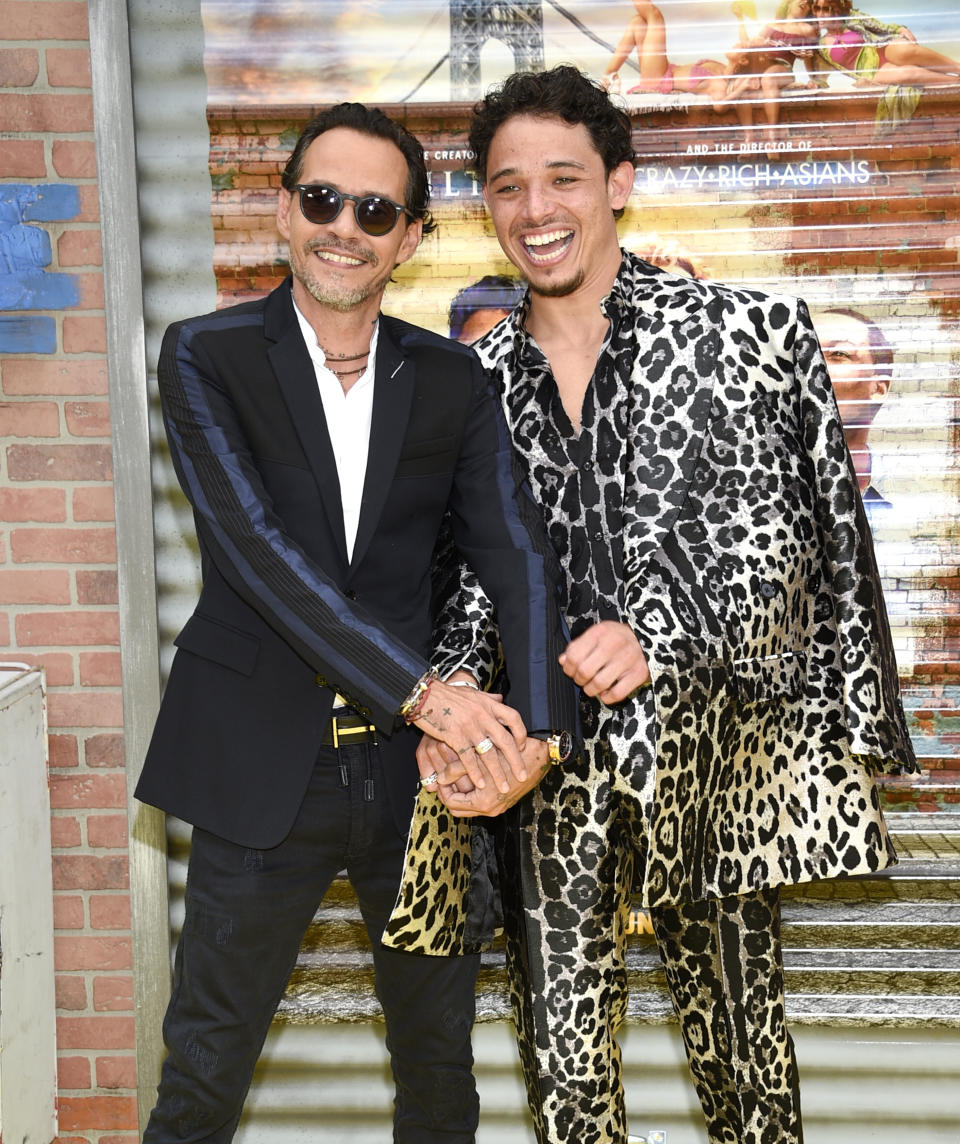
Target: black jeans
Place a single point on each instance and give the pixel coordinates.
(246, 914)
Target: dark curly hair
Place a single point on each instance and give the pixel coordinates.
(563, 92)
(369, 121)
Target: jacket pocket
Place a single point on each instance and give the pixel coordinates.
(216, 641)
(772, 677)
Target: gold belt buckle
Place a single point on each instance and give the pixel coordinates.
(337, 731)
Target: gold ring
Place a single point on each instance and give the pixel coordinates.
(483, 746)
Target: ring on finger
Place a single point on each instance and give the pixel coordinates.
(483, 746)
(430, 780)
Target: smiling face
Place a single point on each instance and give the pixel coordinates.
(799, 10)
(336, 265)
(826, 12)
(552, 204)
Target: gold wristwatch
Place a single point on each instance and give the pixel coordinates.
(559, 745)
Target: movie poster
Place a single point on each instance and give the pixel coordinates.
(805, 148)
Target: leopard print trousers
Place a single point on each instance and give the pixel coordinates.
(584, 832)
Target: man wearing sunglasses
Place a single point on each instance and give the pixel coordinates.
(322, 444)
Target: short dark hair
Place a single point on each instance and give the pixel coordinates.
(491, 292)
(881, 351)
(563, 92)
(369, 121)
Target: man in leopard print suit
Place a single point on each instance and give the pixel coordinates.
(729, 636)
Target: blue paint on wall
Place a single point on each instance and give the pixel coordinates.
(24, 252)
(36, 335)
(37, 290)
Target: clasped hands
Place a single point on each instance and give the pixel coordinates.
(606, 662)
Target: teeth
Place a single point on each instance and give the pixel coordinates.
(347, 261)
(544, 239)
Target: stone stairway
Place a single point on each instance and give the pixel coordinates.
(865, 951)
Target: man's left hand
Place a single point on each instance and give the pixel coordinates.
(606, 661)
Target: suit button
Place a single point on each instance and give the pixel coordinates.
(768, 590)
(350, 594)
(319, 681)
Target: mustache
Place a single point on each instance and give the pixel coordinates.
(351, 249)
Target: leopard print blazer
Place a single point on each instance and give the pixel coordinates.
(747, 571)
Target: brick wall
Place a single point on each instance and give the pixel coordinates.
(58, 584)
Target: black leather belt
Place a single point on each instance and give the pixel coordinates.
(348, 730)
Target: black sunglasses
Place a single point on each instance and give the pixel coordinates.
(374, 214)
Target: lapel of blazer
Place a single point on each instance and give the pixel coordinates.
(675, 369)
(297, 379)
(392, 398)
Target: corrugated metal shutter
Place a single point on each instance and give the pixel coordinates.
(859, 954)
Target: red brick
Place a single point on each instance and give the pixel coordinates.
(68, 911)
(88, 418)
(100, 669)
(36, 586)
(29, 419)
(63, 751)
(72, 378)
(4, 630)
(59, 463)
(53, 20)
(60, 114)
(19, 67)
(65, 833)
(85, 872)
(57, 665)
(96, 587)
(116, 1140)
(104, 751)
(65, 629)
(22, 158)
(96, 1112)
(93, 503)
(68, 67)
(109, 911)
(74, 1073)
(63, 546)
(79, 248)
(32, 504)
(69, 792)
(85, 709)
(117, 1072)
(89, 203)
(84, 335)
(112, 993)
(92, 953)
(90, 286)
(107, 830)
(71, 992)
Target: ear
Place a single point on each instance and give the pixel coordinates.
(410, 241)
(284, 199)
(620, 184)
(881, 385)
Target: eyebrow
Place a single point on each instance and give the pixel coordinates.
(551, 166)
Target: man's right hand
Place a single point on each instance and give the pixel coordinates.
(464, 719)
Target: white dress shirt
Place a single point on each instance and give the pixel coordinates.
(348, 424)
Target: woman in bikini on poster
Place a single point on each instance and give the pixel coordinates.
(877, 53)
(792, 34)
(646, 33)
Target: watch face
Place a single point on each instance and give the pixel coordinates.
(564, 746)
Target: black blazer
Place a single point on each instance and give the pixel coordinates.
(283, 618)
